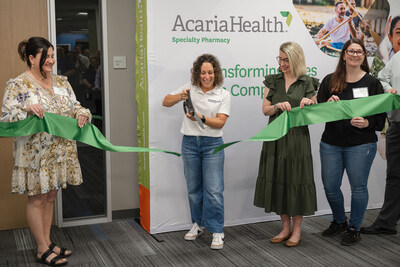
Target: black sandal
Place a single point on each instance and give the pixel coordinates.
(53, 261)
(62, 250)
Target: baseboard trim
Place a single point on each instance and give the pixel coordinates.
(125, 214)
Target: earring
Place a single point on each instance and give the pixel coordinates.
(32, 67)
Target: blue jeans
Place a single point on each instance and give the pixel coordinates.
(204, 173)
(357, 161)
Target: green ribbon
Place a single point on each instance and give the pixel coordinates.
(97, 117)
(68, 128)
(323, 112)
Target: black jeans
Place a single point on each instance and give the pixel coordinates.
(390, 212)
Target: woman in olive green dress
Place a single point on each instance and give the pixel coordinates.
(285, 182)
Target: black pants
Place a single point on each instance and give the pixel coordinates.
(390, 212)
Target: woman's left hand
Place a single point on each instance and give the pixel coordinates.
(82, 120)
(306, 102)
(359, 122)
(192, 117)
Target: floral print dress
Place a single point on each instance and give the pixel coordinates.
(42, 162)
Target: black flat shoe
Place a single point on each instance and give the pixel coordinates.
(376, 230)
(53, 261)
(62, 250)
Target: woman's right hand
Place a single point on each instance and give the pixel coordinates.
(36, 109)
(284, 106)
(170, 100)
(184, 94)
(333, 98)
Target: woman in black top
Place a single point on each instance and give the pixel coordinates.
(349, 144)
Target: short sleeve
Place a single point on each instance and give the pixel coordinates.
(225, 106)
(181, 88)
(270, 83)
(328, 25)
(312, 87)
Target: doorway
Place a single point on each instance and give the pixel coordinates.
(77, 32)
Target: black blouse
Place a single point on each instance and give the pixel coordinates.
(342, 133)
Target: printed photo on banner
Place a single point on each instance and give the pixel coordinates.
(331, 23)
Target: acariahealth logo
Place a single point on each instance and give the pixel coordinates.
(274, 24)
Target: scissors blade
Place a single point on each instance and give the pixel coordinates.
(199, 120)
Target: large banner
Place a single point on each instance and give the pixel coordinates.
(245, 36)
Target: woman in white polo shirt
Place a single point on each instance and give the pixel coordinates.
(204, 171)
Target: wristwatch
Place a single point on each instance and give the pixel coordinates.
(203, 118)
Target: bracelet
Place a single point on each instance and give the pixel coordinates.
(276, 107)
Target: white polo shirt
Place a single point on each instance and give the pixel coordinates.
(209, 104)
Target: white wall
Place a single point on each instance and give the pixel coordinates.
(121, 18)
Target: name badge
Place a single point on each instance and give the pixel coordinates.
(60, 91)
(360, 92)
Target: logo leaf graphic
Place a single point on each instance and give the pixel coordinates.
(288, 15)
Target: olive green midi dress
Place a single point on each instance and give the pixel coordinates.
(285, 182)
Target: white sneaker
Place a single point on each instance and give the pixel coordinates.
(217, 242)
(194, 232)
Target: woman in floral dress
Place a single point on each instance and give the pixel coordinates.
(43, 163)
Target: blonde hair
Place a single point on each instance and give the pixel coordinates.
(297, 61)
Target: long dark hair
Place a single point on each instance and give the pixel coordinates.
(218, 77)
(33, 47)
(392, 24)
(338, 82)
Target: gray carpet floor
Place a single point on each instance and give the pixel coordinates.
(125, 243)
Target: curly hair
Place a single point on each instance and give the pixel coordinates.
(196, 69)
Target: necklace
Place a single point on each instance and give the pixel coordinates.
(43, 82)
